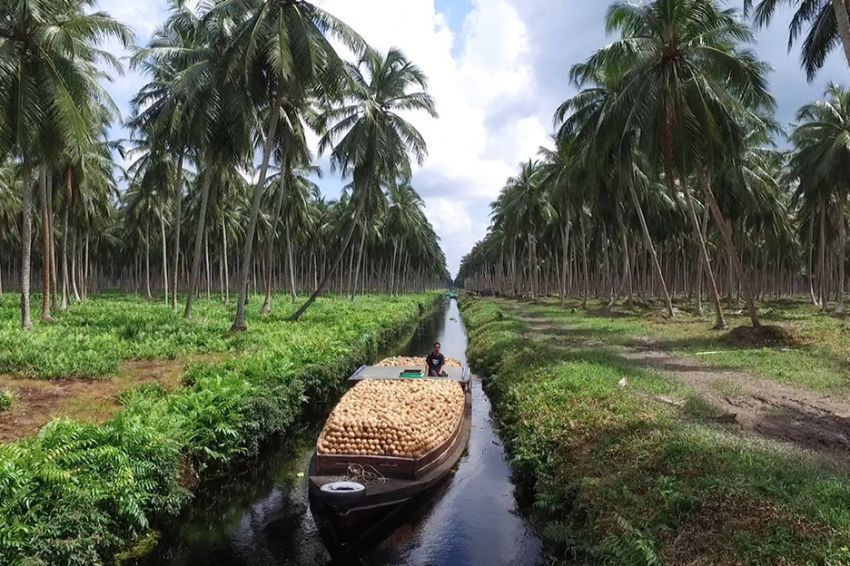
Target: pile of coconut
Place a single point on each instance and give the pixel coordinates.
(404, 418)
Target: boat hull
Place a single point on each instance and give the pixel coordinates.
(352, 526)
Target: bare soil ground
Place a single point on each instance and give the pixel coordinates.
(39, 401)
(806, 418)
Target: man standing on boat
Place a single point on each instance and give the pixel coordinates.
(435, 362)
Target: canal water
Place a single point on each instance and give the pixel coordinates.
(262, 516)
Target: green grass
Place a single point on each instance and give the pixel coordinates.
(93, 338)
(619, 478)
(821, 362)
(78, 493)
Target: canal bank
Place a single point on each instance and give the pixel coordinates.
(627, 465)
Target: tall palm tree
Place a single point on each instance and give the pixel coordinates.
(291, 152)
(526, 202)
(685, 84)
(404, 220)
(585, 122)
(298, 214)
(821, 158)
(370, 140)
(49, 89)
(284, 48)
(164, 121)
(220, 118)
(829, 24)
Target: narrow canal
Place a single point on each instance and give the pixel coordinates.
(262, 516)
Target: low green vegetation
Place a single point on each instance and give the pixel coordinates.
(94, 337)
(78, 493)
(618, 477)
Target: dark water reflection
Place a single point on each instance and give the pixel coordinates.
(262, 517)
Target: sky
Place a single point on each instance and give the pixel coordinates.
(497, 69)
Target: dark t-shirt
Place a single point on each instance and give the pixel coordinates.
(435, 363)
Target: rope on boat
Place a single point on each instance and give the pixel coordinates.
(364, 474)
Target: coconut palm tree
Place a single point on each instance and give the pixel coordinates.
(820, 162)
(585, 122)
(298, 215)
(49, 90)
(404, 223)
(828, 21)
(284, 49)
(525, 201)
(163, 121)
(371, 141)
(685, 85)
(220, 119)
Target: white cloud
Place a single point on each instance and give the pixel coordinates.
(475, 144)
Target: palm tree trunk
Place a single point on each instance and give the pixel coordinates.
(726, 232)
(45, 256)
(812, 261)
(208, 266)
(842, 19)
(65, 210)
(586, 290)
(26, 247)
(50, 234)
(842, 247)
(268, 276)
(199, 244)
(701, 265)
(719, 320)
(164, 254)
(148, 295)
(627, 268)
(74, 287)
(822, 263)
(651, 246)
(242, 282)
(358, 264)
(85, 277)
(291, 265)
(178, 222)
(225, 264)
(530, 252)
(565, 249)
(392, 267)
(267, 303)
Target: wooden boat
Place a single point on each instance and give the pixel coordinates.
(353, 513)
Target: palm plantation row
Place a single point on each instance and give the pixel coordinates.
(227, 82)
(665, 179)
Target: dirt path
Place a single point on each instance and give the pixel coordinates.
(805, 418)
(39, 401)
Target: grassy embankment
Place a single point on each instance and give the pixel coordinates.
(618, 477)
(78, 493)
